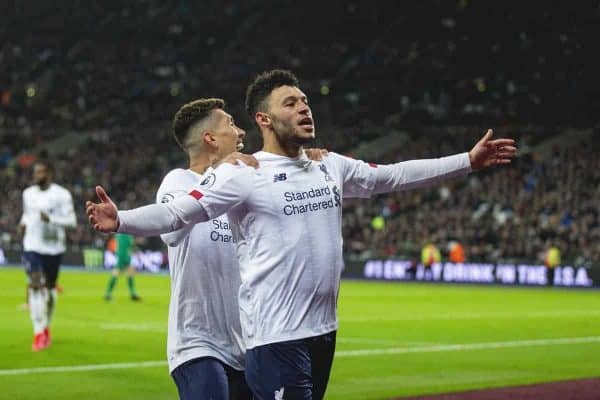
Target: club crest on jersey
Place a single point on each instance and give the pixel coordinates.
(209, 180)
(280, 177)
(328, 177)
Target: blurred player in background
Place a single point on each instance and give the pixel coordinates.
(124, 246)
(47, 211)
(286, 218)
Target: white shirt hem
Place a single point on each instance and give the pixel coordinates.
(183, 357)
(285, 337)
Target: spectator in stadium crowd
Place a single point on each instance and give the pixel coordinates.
(456, 252)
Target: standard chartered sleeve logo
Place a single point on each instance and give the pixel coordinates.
(312, 200)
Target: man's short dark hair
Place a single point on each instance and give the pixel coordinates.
(46, 163)
(190, 114)
(263, 85)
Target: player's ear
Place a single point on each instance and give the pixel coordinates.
(262, 119)
(208, 138)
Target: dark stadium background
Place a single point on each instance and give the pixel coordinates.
(93, 86)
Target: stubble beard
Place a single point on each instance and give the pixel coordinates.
(288, 135)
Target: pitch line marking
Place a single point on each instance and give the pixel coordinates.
(79, 368)
(134, 327)
(468, 315)
(381, 342)
(145, 327)
(342, 353)
(468, 346)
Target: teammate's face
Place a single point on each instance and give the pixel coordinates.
(290, 115)
(228, 136)
(41, 174)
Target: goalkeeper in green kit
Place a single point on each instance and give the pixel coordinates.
(124, 245)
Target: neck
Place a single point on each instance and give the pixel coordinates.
(200, 161)
(44, 186)
(272, 144)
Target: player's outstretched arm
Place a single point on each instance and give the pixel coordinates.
(488, 152)
(150, 220)
(103, 216)
(424, 173)
(231, 186)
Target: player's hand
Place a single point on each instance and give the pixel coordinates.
(44, 216)
(316, 154)
(21, 230)
(102, 216)
(236, 156)
(489, 152)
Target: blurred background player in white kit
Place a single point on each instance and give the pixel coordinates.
(47, 212)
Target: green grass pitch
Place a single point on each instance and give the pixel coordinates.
(394, 339)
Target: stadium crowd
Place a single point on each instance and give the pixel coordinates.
(442, 67)
(511, 214)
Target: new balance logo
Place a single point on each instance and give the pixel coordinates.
(279, 394)
(279, 177)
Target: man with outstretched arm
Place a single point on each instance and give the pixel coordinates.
(286, 218)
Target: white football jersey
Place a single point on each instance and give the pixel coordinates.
(290, 242)
(47, 237)
(204, 319)
(286, 218)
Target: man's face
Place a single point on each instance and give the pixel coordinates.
(228, 136)
(41, 174)
(290, 115)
